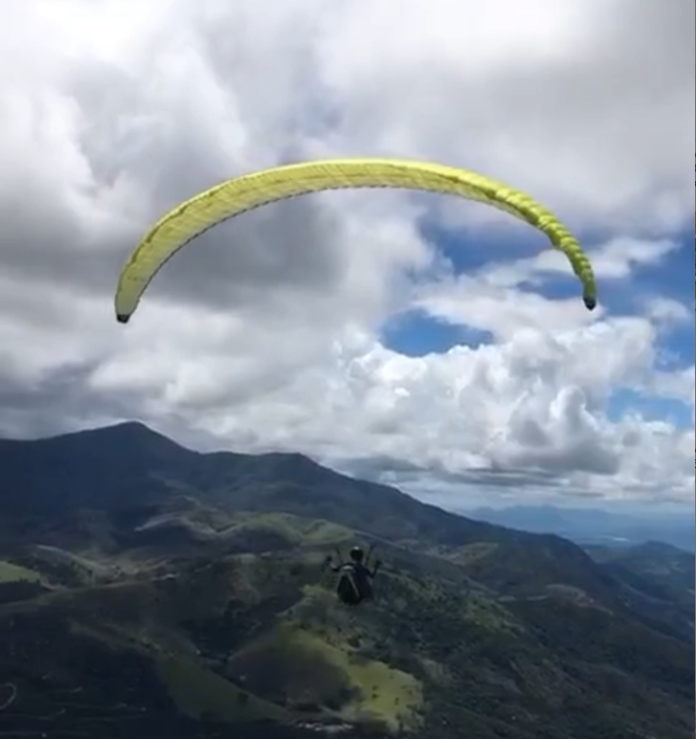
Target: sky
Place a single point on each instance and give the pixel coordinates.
(421, 341)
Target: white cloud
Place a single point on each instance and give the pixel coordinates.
(667, 312)
(613, 260)
(266, 334)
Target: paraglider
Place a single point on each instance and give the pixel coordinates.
(354, 576)
(232, 197)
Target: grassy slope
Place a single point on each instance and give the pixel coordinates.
(10, 572)
(311, 671)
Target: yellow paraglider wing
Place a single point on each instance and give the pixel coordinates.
(232, 197)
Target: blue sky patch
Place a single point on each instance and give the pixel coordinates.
(650, 407)
(416, 334)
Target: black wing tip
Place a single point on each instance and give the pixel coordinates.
(590, 302)
(122, 317)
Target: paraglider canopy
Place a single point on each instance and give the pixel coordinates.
(230, 198)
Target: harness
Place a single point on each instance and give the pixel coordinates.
(347, 589)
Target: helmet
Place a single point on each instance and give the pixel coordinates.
(357, 554)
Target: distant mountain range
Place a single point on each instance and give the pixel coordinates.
(595, 526)
(152, 592)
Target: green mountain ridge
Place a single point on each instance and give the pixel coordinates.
(180, 593)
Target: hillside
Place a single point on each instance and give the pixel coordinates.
(665, 565)
(658, 579)
(152, 591)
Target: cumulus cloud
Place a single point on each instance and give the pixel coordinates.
(266, 335)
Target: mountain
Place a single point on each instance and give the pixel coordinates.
(595, 526)
(661, 563)
(153, 591)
